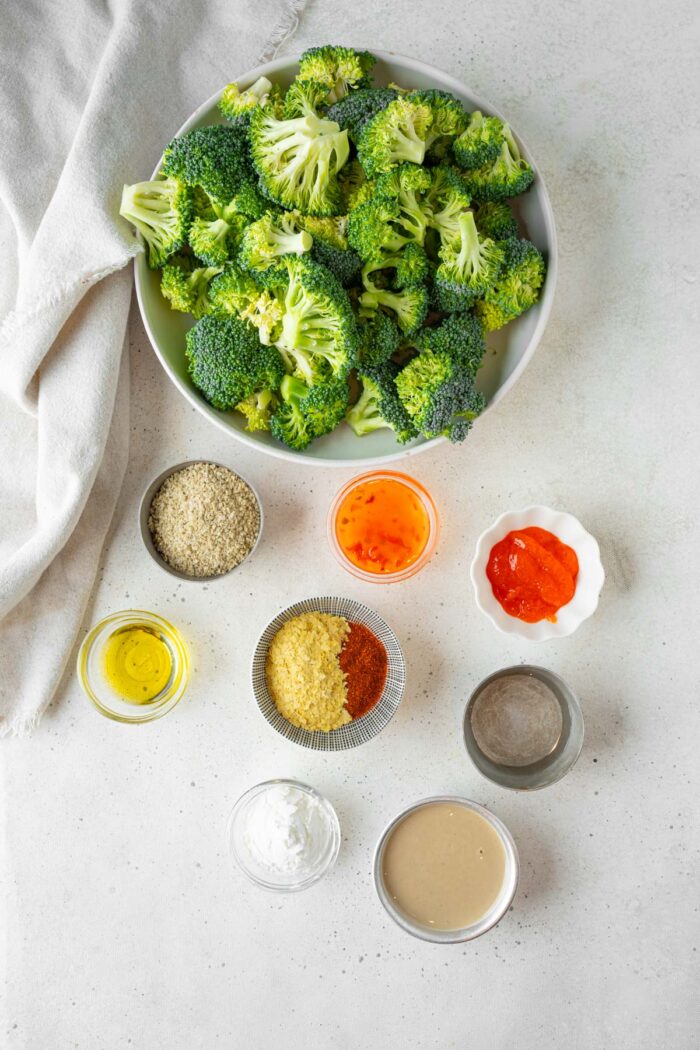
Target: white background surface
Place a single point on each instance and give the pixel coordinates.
(127, 926)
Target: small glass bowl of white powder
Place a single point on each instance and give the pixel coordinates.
(283, 835)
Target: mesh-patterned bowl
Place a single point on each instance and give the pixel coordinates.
(360, 730)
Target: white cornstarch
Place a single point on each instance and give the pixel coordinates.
(285, 830)
(204, 520)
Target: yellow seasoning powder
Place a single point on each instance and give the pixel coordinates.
(137, 664)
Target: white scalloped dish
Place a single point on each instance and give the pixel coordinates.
(589, 581)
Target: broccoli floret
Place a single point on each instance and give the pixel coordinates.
(305, 98)
(391, 218)
(330, 247)
(289, 423)
(353, 112)
(449, 121)
(319, 332)
(517, 288)
(460, 336)
(395, 134)
(186, 285)
(380, 338)
(379, 405)
(258, 408)
(161, 211)
(264, 242)
(339, 69)
(249, 201)
(215, 229)
(237, 105)
(354, 187)
(235, 293)
(215, 158)
(298, 160)
(325, 405)
(404, 268)
(469, 260)
(227, 362)
(507, 176)
(495, 220)
(447, 200)
(480, 143)
(410, 305)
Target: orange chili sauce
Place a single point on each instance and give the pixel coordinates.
(382, 526)
(533, 574)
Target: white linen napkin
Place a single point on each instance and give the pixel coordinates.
(89, 95)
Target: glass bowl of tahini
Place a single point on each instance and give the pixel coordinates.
(134, 666)
(446, 869)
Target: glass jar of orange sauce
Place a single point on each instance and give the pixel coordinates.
(383, 526)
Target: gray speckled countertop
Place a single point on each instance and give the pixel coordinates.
(128, 927)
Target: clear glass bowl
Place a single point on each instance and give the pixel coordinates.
(495, 912)
(433, 527)
(282, 883)
(98, 689)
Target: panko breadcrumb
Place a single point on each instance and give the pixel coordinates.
(303, 674)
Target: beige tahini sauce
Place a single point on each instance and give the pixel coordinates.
(444, 866)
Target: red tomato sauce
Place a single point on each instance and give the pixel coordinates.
(532, 574)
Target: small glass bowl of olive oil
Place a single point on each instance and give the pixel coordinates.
(134, 666)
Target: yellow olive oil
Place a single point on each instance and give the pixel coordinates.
(137, 663)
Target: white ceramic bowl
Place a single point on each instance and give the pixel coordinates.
(589, 581)
(509, 350)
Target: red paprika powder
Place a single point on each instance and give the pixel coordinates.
(364, 660)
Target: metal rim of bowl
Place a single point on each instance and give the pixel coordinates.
(334, 825)
(144, 513)
(268, 69)
(537, 672)
(430, 509)
(359, 730)
(511, 878)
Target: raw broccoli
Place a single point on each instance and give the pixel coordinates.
(395, 134)
(353, 111)
(227, 362)
(264, 242)
(507, 176)
(354, 187)
(469, 260)
(330, 247)
(409, 266)
(289, 422)
(186, 285)
(319, 332)
(258, 408)
(446, 200)
(339, 69)
(249, 201)
(304, 98)
(325, 405)
(237, 105)
(215, 158)
(460, 336)
(380, 338)
(449, 121)
(379, 405)
(480, 143)
(517, 288)
(410, 305)
(215, 229)
(495, 220)
(235, 293)
(298, 160)
(393, 217)
(161, 211)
